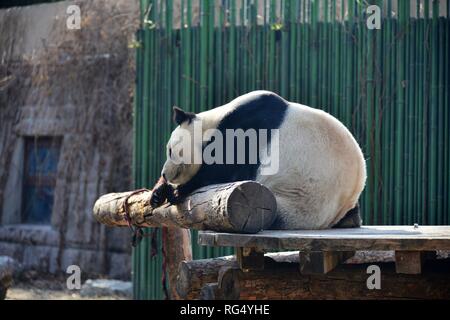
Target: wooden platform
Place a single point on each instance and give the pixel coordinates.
(322, 250)
(423, 238)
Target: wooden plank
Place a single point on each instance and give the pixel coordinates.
(250, 258)
(409, 262)
(321, 262)
(405, 238)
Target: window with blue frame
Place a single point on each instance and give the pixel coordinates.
(39, 179)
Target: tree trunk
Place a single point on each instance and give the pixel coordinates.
(244, 206)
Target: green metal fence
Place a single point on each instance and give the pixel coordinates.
(390, 87)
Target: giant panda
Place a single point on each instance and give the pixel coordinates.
(321, 169)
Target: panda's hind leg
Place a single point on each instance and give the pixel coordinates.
(352, 219)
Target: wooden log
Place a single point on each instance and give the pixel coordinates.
(194, 275)
(210, 291)
(283, 281)
(244, 206)
(177, 244)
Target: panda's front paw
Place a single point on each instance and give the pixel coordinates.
(173, 196)
(157, 198)
(159, 195)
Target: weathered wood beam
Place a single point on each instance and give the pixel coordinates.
(411, 262)
(408, 262)
(320, 262)
(283, 281)
(210, 291)
(244, 206)
(403, 238)
(193, 275)
(250, 258)
(177, 244)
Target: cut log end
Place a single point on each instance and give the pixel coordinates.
(251, 207)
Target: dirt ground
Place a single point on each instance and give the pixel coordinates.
(47, 287)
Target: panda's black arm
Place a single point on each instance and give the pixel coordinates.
(183, 190)
(205, 177)
(212, 174)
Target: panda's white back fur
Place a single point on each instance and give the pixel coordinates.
(321, 174)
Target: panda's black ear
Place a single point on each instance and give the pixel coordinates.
(180, 116)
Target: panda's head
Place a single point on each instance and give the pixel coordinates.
(184, 148)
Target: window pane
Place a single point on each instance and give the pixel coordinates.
(38, 204)
(41, 162)
(42, 159)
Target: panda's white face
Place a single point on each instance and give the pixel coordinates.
(184, 150)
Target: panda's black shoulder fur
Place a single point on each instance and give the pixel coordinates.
(259, 110)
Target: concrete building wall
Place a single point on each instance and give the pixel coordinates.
(75, 85)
